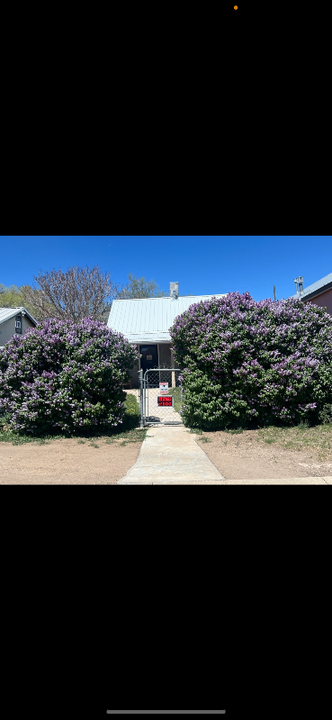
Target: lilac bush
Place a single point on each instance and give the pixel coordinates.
(65, 377)
(247, 363)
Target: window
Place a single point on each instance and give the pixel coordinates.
(18, 324)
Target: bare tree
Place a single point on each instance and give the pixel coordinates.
(74, 294)
(34, 301)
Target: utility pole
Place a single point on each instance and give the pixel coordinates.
(274, 292)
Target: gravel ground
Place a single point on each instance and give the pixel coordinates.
(66, 462)
(247, 456)
(251, 454)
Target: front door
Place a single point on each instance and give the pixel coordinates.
(149, 357)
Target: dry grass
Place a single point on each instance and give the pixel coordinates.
(312, 439)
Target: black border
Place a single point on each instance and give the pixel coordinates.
(133, 598)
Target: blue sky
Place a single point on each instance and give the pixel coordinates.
(201, 265)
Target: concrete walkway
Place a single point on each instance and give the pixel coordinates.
(170, 456)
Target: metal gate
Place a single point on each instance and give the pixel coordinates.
(160, 396)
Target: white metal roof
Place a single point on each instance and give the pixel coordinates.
(318, 285)
(7, 313)
(148, 320)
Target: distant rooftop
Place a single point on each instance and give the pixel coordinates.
(7, 313)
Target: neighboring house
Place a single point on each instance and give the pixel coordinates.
(14, 321)
(146, 323)
(319, 293)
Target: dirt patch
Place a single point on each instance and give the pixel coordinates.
(67, 462)
(257, 454)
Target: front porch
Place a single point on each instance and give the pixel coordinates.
(154, 356)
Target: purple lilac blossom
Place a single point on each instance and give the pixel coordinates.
(242, 359)
(65, 375)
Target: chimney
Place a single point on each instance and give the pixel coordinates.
(299, 285)
(174, 290)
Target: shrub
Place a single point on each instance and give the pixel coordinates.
(132, 412)
(325, 415)
(247, 363)
(65, 376)
(4, 420)
(176, 392)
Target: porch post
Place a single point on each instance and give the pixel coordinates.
(173, 373)
(158, 359)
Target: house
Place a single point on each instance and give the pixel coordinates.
(14, 321)
(319, 293)
(146, 323)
